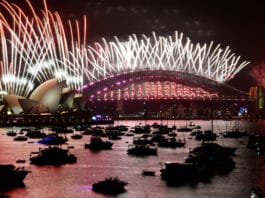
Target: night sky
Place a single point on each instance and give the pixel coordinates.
(239, 24)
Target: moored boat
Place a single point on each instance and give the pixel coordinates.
(183, 173)
(76, 136)
(142, 149)
(111, 186)
(171, 143)
(96, 143)
(21, 138)
(35, 134)
(148, 173)
(236, 133)
(53, 155)
(11, 133)
(53, 139)
(11, 177)
(214, 157)
(207, 135)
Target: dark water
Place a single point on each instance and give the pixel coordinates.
(75, 180)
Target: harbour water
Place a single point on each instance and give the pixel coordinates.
(75, 180)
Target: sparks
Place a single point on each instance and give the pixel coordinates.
(37, 48)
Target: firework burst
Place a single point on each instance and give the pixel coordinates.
(173, 53)
(37, 48)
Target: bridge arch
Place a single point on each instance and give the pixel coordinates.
(159, 85)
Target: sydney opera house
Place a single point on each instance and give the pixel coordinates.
(49, 97)
(51, 102)
(47, 67)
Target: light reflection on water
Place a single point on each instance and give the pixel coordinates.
(75, 180)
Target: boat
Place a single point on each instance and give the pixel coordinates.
(117, 128)
(81, 127)
(53, 139)
(35, 134)
(142, 140)
(138, 129)
(11, 133)
(122, 128)
(114, 137)
(20, 161)
(76, 136)
(53, 155)
(110, 186)
(142, 149)
(189, 127)
(148, 173)
(96, 143)
(11, 177)
(155, 125)
(184, 129)
(172, 134)
(20, 138)
(192, 125)
(234, 133)
(164, 129)
(196, 132)
(171, 142)
(130, 133)
(62, 130)
(214, 157)
(214, 148)
(207, 135)
(183, 173)
(24, 130)
(93, 131)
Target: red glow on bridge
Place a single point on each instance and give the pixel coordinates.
(152, 90)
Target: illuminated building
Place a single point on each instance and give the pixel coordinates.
(46, 98)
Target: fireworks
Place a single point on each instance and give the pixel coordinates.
(35, 48)
(164, 53)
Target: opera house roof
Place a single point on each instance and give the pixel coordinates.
(46, 98)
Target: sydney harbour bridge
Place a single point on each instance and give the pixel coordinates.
(165, 94)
